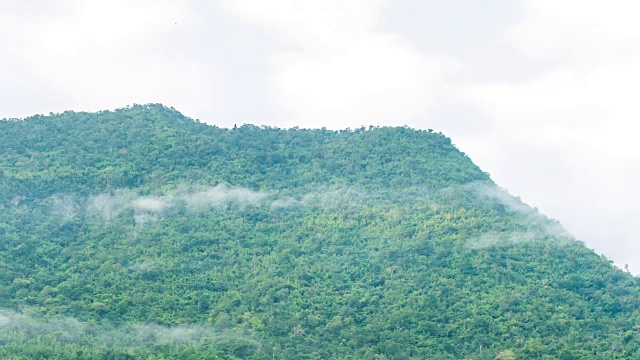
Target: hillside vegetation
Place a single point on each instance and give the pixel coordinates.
(143, 234)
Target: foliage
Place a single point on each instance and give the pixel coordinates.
(141, 233)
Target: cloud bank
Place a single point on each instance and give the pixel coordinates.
(337, 67)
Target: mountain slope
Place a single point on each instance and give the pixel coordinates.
(140, 233)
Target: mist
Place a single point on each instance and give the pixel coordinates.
(197, 199)
(147, 209)
(15, 326)
(538, 226)
(532, 217)
(222, 198)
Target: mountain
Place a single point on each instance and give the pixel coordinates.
(143, 234)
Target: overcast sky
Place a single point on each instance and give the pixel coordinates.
(540, 93)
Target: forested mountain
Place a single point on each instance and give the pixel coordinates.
(143, 234)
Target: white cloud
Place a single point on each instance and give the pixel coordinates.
(93, 55)
(378, 81)
(579, 31)
(312, 25)
(338, 69)
(583, 108)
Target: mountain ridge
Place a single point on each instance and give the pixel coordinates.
(326, 164)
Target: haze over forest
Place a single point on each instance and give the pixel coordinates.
(142, 233)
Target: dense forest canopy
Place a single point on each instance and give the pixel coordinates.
(153, 146)
(140, 233)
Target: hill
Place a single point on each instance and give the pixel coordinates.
(141, 233)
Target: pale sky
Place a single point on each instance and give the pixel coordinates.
(539, 93)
